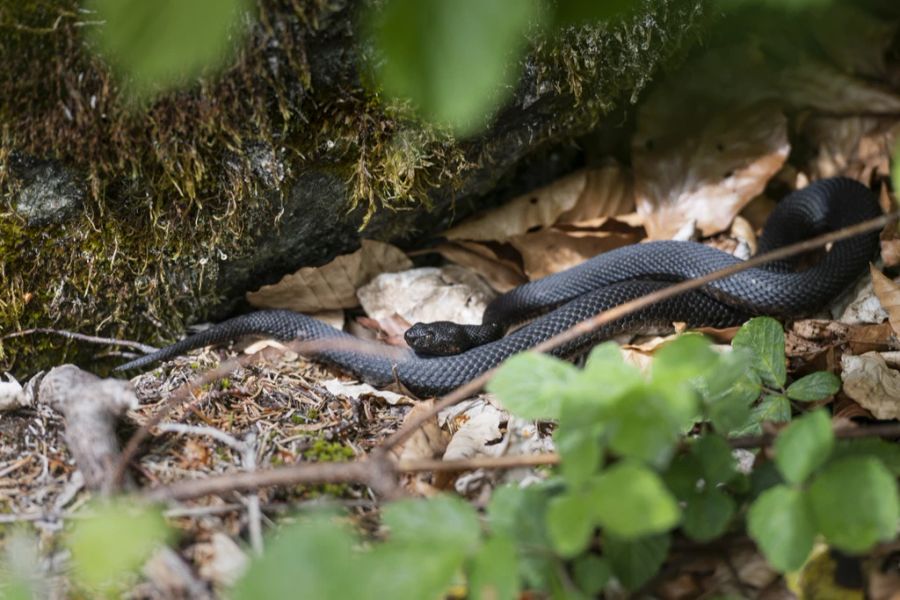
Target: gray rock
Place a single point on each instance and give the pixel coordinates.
(50, 193)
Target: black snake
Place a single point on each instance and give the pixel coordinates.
(568, 297)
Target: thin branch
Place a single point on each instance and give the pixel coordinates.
(616, 313)
(93, 339)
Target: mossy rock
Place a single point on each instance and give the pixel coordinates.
(131, 223)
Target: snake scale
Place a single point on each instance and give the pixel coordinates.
(558, 301)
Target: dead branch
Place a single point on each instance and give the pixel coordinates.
(91, 406)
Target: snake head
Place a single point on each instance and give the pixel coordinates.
(439, 338)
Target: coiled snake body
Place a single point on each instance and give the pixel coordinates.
(597, 285)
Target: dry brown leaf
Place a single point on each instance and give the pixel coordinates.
(502, 274)
(583, 195)
(708, 174)
(872, 383)
(449, 293)
(888, 294)
(550, 250)
(428, 442)
(333, 285)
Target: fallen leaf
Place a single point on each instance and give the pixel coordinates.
(478, 432)
(550, 250)
(502, 274)
(428, 442)
(220, 560)
(888, 294)
(583, 195)
(333, 285)
(872, 383)
(708, 172)
(449, 293)
(349, 389)
(862, 305)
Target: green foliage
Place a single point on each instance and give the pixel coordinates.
(854, 502)
(629, 481)
(781, 523)
(804, 446)
(156, 45)
(113, 542)
(763, 338)
(456, 61)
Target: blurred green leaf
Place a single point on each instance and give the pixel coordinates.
(443, 520)
(114, 541)
(781, 523)
(686, 357)
(456, 60)
(591, 573)
(886, 452)
(854, 503)
(390, 574)
(715, 457)
(580, 453)
(815, 386)
(639, 428)
(520, 513)
(575, 12)
(630, 501)
(157, 45)
(494, 572)
(606, 376)
(683, 475)
(634, 562)
(570, 522)
(531, 384)
(707, 514)
(728, 390)
(317, 553)
(804, 446)
(763, 337)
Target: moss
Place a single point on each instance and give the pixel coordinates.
(324, 451)
(172, 188)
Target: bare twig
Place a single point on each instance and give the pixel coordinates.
(362, 471)
(589, 325)
(80, 337)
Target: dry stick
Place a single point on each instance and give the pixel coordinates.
(622, 310)
(361, 471)
(81, 337)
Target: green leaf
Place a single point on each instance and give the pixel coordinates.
(683, 476)
(520, 513)
(804, 446)
(729, 389)
(570, 522)
(494, 572)
(531, 384)
(117, 539)
(591, 573)
(443, 520)
(707, 514)
(630, 501)
(715, 457)
(773, 408)
(575, 12)
(580, 453)
(606, 376)
(764, 338)
(156, 45)
(456, 60)
(634, 562)
(686, 357)
(887, 452)
(390, 575)
(815, 386)
(781, 523)
(854, 503)
(642, 428)
(317, 553)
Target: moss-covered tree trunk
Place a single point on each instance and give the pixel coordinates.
(132, 223)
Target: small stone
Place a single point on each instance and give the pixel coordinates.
(51, 194)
